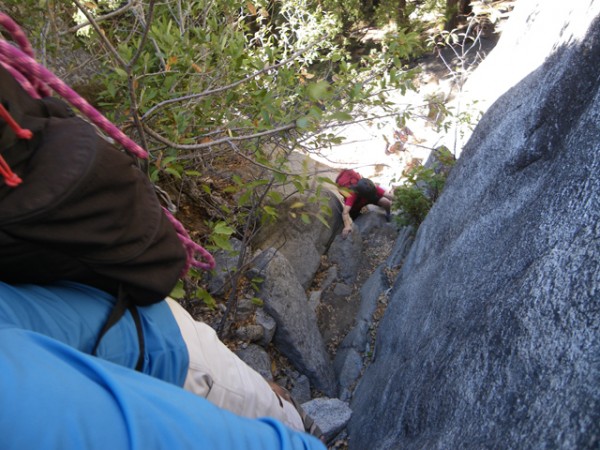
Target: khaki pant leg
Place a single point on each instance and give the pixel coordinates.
(220, 376)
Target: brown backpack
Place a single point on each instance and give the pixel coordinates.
(84, 211)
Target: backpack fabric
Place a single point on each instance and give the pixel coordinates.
(84, 212)
(366, 189)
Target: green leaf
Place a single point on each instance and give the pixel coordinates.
(303, 122)
(322, 219)
(173, 172)
(154, 175)
(315, 112)
(110, 87)
(120, 72)
(275, 196)
(325, 180)
(341, 116)
(223, 228)
(205, 296)
(245, 198)
(279, 177)
(222, 242)
(318, 91)
(270, 210)
(178, 291)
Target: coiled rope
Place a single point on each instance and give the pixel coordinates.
(39, 82)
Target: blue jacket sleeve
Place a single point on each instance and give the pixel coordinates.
(55, 397)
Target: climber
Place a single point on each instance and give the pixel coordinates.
(177, 348)
(359, 192)
(56, 397)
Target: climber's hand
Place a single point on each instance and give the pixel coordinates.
(346, 232)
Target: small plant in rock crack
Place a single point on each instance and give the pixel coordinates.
(421, 188)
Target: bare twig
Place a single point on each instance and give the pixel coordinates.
(130, 80)
(101, 35)
(224, 140)
(117, 12)
(461, 52)
(247, 158)
(246, 238)
(147, 22)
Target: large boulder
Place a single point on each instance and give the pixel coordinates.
(492, 335)
(301, 243)
(297, 335)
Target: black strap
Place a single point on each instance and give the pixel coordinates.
(121, 306)
(140, 333)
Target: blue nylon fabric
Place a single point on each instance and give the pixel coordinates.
(74, 314)
(55, 397)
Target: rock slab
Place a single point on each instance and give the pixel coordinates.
(492, 335)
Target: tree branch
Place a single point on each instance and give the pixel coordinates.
(100, 33)
(225, 140)
(117, 12)
(227, 87)
(146, 22)
(247, 158)
(130, 81)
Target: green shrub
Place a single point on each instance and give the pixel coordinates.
(421, 188)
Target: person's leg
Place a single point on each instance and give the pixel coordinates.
(218, 375)
(386, 204)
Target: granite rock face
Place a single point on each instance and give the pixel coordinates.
(297, 335)
(301, 243)
(492, 335)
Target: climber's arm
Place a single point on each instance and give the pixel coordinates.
(347, 221)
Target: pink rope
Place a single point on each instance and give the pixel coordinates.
(21, 40)
(39, 81)
(23, 81)
(27, 65)
(190, 246)
(17, 34)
